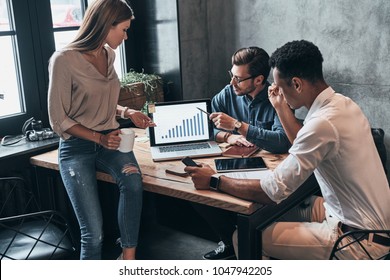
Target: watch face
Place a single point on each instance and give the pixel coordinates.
(214, 181)
(237, 124)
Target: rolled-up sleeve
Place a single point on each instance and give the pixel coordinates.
(285, 179)
(315, 143)
(60, 94)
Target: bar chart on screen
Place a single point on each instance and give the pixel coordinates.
(184, 123)
(192, 126)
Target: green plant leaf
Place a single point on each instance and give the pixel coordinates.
(150, 82)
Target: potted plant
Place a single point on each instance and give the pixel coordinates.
(138, 89)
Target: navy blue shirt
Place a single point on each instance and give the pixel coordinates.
(265, 129)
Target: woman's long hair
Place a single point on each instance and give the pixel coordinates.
(100, 16)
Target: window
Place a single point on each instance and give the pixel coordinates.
(11, 101)
(30, 31)
(66, 16)
(19, 82)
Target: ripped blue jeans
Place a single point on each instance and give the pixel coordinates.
(78, 161)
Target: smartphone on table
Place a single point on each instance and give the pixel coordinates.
(190, 162)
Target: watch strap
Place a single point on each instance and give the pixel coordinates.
(237, 125)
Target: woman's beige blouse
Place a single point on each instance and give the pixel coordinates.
(80, 94)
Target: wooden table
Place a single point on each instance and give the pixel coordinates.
(251, 217)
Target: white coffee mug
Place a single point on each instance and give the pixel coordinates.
(127, 136)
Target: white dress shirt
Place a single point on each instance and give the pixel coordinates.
(336, 143)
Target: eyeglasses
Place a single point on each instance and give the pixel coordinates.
(237, 79)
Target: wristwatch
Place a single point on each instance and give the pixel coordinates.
(214, 182)
(237, 125)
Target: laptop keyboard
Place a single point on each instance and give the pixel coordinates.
(184, 147)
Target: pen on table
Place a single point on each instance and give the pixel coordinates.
(207, 113)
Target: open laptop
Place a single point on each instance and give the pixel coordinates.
(182, 130)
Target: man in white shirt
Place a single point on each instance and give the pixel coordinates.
(335, 143)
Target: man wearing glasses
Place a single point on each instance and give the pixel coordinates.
(244, 108)
(249, 119)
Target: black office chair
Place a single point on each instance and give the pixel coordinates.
(379, 138)
(355, 238)
(26, 232)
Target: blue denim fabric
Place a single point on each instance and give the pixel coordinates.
(78, 161)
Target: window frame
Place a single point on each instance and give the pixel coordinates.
(31, 30)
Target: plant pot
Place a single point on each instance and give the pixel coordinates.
(134, 96)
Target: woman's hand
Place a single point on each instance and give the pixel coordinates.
(140, 119)
(111, 140)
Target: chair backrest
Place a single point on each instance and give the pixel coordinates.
(379, 138)
(357, 239)
(16, 198)
(26, 232)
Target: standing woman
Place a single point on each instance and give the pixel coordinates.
(83, 96)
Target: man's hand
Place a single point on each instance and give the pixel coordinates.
(286, 116)
(239, 140)
(276, 97)
(200, 175)
(222, 121)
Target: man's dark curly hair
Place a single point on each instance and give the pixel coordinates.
(300, 59)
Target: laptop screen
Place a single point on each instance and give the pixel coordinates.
(180, 122)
